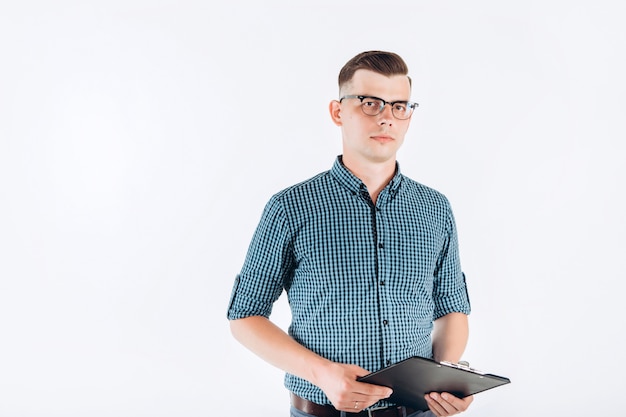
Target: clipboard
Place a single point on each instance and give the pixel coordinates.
(412, 378)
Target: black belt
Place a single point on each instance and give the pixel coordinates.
(318, 410)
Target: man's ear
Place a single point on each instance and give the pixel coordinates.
(335, 112)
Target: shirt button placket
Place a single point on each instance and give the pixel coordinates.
(383, 272)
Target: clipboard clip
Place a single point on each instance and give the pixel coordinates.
(464, 365)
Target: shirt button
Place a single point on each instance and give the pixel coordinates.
(380, 245)
(382, 282)
(385, 322)
(387, 362)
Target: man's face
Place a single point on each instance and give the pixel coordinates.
(371, 139)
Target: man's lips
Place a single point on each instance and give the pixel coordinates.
(382, 138)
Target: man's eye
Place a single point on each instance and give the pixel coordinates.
(400, 107)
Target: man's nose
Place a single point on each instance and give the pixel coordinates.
(386, 114)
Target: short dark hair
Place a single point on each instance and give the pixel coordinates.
(385, 63)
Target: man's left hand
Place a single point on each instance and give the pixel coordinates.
(445, 404)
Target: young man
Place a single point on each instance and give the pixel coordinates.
(368, 258)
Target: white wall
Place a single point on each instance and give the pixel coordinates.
(140, 140)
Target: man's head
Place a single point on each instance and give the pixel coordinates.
(373, 110)
(384, 63)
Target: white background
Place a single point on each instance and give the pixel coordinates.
(140, 140)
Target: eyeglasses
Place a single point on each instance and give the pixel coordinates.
(373, 105)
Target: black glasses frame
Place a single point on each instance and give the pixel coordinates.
(408, 104)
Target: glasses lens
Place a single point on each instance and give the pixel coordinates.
(371, 106)
(403, 109)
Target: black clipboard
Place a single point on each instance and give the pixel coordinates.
(414, 377)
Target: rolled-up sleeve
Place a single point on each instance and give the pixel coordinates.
(268, 263)
(450, 290)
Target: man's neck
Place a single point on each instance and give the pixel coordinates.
(375, 176)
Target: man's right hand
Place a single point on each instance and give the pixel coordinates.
(339, 383)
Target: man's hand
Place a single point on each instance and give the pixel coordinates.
(445, 404)
(338, 381)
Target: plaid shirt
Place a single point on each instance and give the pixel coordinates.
(364, 281)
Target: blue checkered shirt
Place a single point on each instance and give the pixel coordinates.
(364, 281)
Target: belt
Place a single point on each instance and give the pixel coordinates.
(318, 410)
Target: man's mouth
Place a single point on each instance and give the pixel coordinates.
(382, 138)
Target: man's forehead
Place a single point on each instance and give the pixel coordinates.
(373, 81)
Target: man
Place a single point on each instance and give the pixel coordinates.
(368, 258)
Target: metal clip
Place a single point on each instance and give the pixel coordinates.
(464, 365)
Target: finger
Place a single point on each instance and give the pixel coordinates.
(371, 390)
(446, 404)
(353, 402)
(352, 406)
(434, 405)
(371, 397)
(455, 403)
(441, 404)
(360, 401)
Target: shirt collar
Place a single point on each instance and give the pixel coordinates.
(355, 185)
